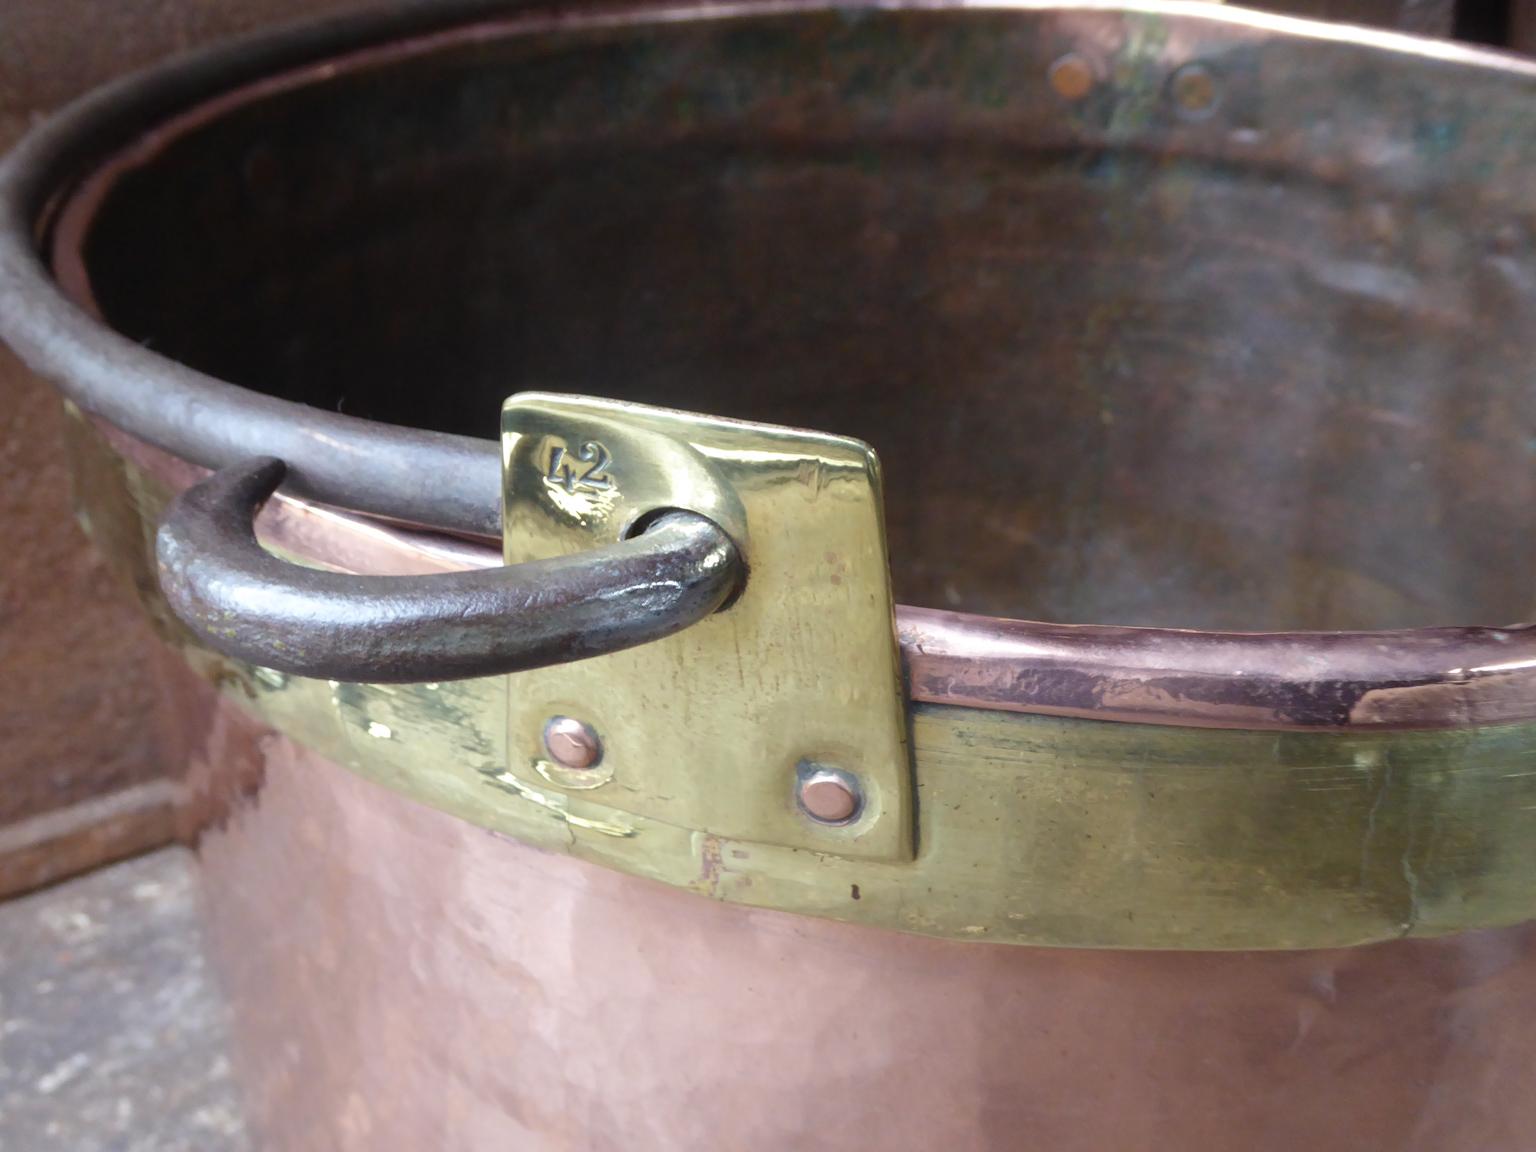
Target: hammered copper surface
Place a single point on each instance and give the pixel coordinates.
(405, 981)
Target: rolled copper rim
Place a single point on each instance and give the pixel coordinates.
(1416, 678)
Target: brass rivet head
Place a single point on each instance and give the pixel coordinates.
(1195, 90)
(1071, 77)
(828, 795)
(572, 744)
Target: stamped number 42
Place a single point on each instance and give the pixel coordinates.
(585, 470)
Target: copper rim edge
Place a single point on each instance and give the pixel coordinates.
(1420, 678)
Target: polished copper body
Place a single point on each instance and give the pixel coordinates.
(403, 980)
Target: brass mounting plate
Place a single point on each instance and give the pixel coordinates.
(708, 729)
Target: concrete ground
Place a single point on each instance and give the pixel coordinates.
(113, 1037)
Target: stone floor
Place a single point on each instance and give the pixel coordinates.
(113, 1037)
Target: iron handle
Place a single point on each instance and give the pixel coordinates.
(247, 603)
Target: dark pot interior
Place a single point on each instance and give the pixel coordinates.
(1257, 364)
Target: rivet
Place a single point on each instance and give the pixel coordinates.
(828, 795)
(1071, 77)
(1196, 91)
(572, 744)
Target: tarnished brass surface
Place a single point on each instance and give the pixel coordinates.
(1030, 829)
(704, 730)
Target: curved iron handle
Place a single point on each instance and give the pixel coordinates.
(247, 603)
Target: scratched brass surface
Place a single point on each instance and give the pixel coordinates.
(802, 668)
(1030, 829)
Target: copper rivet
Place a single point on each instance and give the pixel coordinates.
(1071, 76)
(829, 796)
(572, 744)
(1195, 90)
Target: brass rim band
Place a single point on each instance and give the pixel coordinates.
(1030, 829)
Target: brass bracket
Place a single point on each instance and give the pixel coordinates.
(715, 729)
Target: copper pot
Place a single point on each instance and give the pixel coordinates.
(1196, 331)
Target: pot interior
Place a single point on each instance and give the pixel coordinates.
(1241, 346)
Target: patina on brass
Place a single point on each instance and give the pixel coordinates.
(704, 730)
(1221, 328)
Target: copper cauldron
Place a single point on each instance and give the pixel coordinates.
(577, 791)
